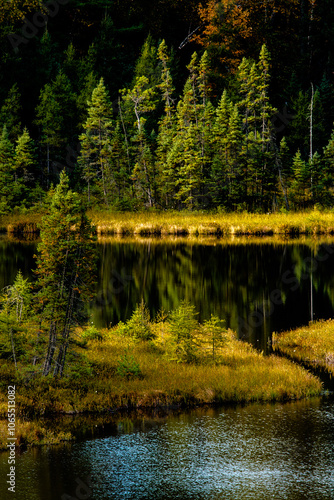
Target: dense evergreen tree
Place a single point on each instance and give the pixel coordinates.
(6, 171)
(95, 142)
(10, 113)
(25, 169)
(65, 273)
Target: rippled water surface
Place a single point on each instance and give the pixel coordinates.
(279, 451)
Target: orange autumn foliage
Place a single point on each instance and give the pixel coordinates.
(227, 25)
(15, 10)
(232, 28)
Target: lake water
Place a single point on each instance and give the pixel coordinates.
(254, 452)
(278, 451)
(256, 287)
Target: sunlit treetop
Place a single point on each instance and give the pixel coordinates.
(12, 11)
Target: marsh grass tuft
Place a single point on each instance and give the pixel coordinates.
(312, 344)
(184, 223)
(218, 224)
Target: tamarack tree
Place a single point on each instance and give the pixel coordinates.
(65, 272)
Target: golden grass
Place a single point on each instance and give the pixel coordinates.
(20, 223)
(190, 224)
(193, 224)
(312, 344)
(32, 433)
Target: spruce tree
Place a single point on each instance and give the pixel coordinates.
(49, 118)
(166, 131)
(65, 273)
(10, 113)
(25, 169)
(300, 186)
(95, 142)
(146, 64)
(6, 171)
(141, 97)
(25, 158)
(55, 116)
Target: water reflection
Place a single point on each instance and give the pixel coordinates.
(280, 451)
(256, 285)
(256, 288)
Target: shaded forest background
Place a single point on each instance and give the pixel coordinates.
(173, 104)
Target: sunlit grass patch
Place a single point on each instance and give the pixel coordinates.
(312, 344)
(191, 223)
(202, 223)
(32, 433)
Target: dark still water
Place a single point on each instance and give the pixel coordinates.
(256, 452)
(257, 287)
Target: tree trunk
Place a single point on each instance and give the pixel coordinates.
(51, 348)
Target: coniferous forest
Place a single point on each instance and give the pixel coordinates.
(173, 104)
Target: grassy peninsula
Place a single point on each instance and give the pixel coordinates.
(313, 345)
(170, 362)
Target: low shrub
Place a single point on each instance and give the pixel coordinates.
(128, 367)
(138, 326)
(92, 333)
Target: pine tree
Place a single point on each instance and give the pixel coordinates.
(189, 181)
(300, 186)
(188, 163)
(266, 111)
(95, 141)
(49, 118)
(235, 173)
(219, 181)
(65, 272)
(298, 132)
(118, 167)
(146, 64)
(223, 113)
(141, 97)
(10, 113)
(6, 171)
(89, 84)
(55, 115)
(166, 86)
(25, 158)
(284, 168)
(255, 105)
(166, 131)
(25, 169)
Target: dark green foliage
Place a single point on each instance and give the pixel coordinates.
(183, 326)
(10, 113)
(208, 137)
(138, 326)
(128, 367)
(92, 333)
(65, 272)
